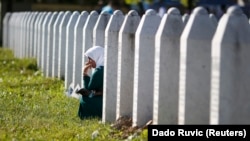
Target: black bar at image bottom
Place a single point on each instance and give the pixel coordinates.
(199, 132)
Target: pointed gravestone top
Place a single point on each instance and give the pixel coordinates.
(104, 13)
(200, 11)
(234, 10)
(75, 13)
(118, 12)
(150, 12)
(67, 12)
(173, 11)
(213, 18)
(93, 13)
(132, 13)
(84, 13)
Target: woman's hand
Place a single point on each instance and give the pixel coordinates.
(86, 68)
(83, 92)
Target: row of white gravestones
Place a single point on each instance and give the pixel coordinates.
(175, 70)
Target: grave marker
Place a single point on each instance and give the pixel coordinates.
(78, 48)
(195, 70)
(144, 68)
(230, 69)
(110, 69)
(166, 66)
(125, 73)
(70, 49)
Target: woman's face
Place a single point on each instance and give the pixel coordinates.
(92, 62)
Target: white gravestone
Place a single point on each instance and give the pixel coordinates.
(19, 32)
(11, 27)
(39, 38)
(195, 67)
(125, 68)
(144, 68)
(11, 30)
(23, 35)
(87, 41)
(166, 75)
(35, 34)
(62, 45)
(6, 28)
(42, 39)
(15, 32)
(231, 70)
(32, 35)
(214, 19)
(185, 18)
(55, 52)
(50, 44)
(78, 48)
(27, 35)
(110, 69)
(15, 39)
(70, 49)
(99, 29)
(45, 42)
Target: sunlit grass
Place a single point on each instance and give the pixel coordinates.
(33, 107)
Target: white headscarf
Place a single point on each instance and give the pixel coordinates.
(97, 54)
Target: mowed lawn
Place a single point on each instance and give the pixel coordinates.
(33, 107)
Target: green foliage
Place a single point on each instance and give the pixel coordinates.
(33, 107)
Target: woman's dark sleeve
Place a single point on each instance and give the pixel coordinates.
(94, 82)
(86, 80)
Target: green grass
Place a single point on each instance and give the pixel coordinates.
(33, 107)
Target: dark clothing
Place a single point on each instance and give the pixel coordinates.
(91, 106)
(96, 81)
